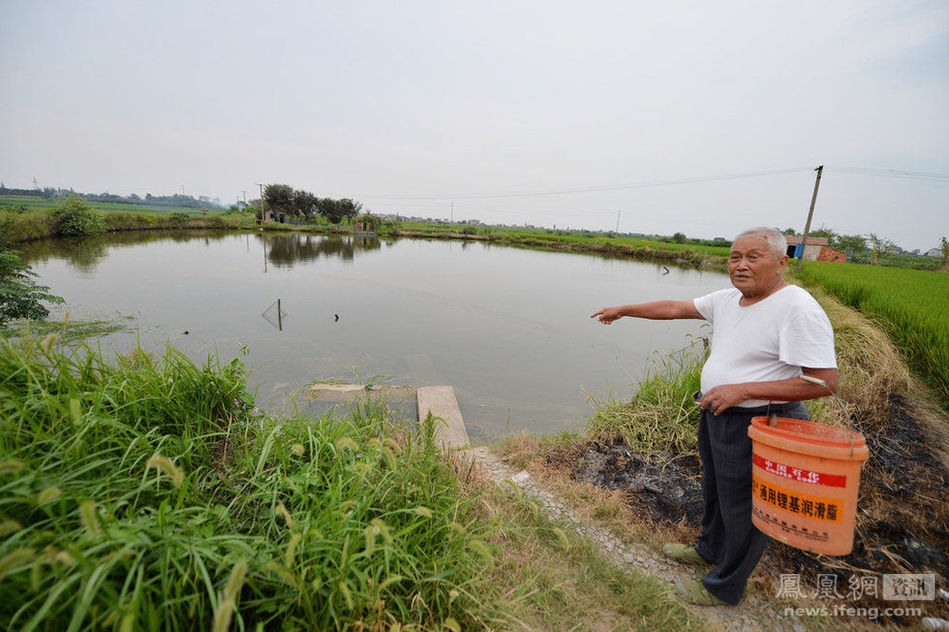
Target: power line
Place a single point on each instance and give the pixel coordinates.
(593, 189)
(891, 173)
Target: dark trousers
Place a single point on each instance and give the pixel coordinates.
(729, 540)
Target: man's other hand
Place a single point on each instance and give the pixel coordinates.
(721, 398)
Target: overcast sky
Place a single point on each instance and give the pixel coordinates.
(442, 101)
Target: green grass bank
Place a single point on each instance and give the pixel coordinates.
(148, 494)
(38, 224)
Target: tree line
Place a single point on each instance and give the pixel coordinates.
(282, 198)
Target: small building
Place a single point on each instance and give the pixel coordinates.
(366, 229)
(817, 249)
(275, 216)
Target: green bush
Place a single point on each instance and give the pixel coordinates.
(120, 220)
(74, 217)
(24, 226)
(19, 296)
(179, 217)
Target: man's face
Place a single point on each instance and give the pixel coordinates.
(752, 266)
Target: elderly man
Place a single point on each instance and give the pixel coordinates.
(766, 333)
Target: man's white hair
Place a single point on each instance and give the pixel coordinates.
(776, 239)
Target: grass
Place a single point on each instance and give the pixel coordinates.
(67, 330)
(148, 493)
(662, 415)
(911, 305)
(565, 583)
(578, 240)
(31, 202)
(35, 224)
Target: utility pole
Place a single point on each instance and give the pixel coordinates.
(617, 220)
(261, 202)
(452, 211)
(245, 196)
(810, 214)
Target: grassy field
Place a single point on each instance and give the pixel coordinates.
(551, 236)
(912, 305)
(35, 202)
(36, 223)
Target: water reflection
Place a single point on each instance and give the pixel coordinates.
(85, 253)
(285, 250)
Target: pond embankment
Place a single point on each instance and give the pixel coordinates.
(640, 457)
(32, 225)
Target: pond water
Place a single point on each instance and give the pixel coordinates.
(508, 328)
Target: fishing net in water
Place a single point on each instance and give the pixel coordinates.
(273, 316)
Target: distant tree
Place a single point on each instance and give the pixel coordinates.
(19, 295)
(350, 208)
(279, 198)
(368, 219)
(679, 238)
(823, 231)
(849, 243)
(878, 246)
(74, 217)
(336, 211)
(945, 251)
(305, 202)
(789, 231)
(328, 208)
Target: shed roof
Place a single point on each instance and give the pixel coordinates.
(811, 241)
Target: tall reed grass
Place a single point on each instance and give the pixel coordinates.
(148, 493)
(912, 305)
(663, 415)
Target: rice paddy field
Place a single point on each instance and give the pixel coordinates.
(912, 305)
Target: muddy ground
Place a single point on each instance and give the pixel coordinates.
(903, 508)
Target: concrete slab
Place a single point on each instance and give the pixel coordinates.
(441, 402)
(320, 399)
(345, 393)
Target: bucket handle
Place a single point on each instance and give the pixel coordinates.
(820, 382)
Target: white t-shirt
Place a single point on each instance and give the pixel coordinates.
(769, 340)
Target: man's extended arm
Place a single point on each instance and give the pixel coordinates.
(657, 310)
(790, 390)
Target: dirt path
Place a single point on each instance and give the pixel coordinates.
(751, 615)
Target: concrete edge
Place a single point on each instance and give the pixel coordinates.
(441, 402)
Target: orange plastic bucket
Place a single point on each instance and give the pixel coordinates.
(805, 478)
